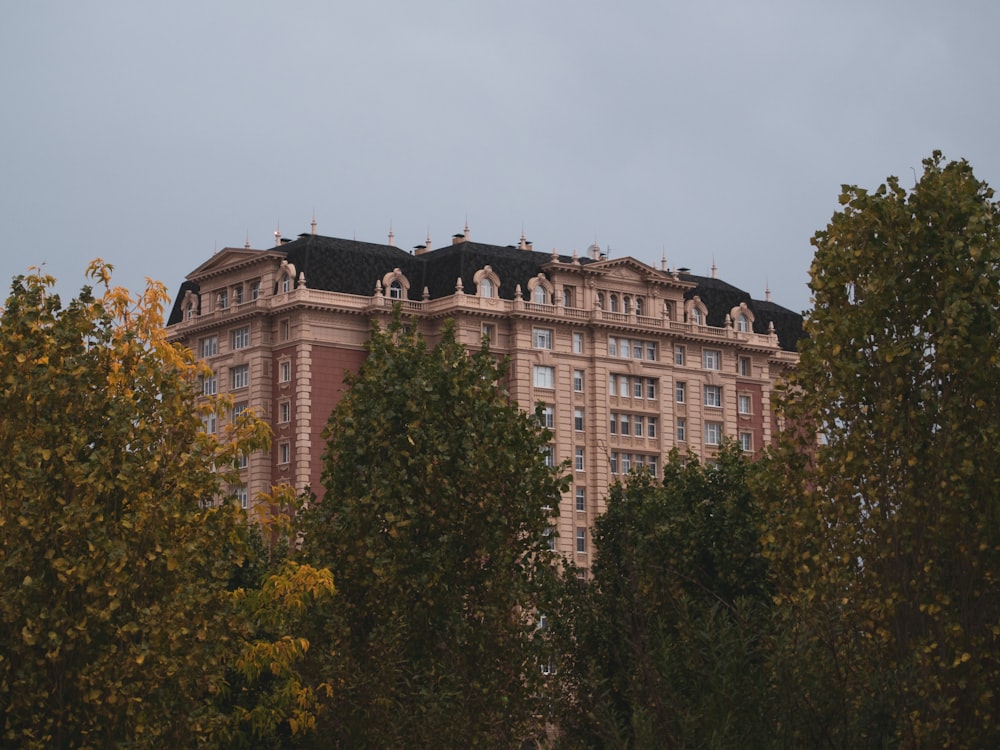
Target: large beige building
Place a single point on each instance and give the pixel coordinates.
(630, 361)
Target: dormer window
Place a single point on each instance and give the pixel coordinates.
(486, 288)
(538, 296)
(742, 324)
(397, 284)
(697, 317)
(395, 290)
(286, 283)
(189, 311)
(487, 282)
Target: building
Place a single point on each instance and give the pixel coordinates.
(629, 361)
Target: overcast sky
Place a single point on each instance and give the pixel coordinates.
(152, 134)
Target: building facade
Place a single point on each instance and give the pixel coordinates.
(628, 361)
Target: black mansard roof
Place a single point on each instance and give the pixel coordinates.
(353, 267)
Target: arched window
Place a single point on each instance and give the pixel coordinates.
(486, 288)
(743, 324)
(627, 304)
(189, 311)
(614, 303)
(286, 282)
(567, 297)
(696, 316)
(539, 297)
(395, 290)
(638, 305)
(600, 300)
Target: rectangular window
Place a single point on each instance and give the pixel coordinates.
(254, 289)
(713, 396)
(681, 430)
(637, 350)
(550, 538)
(744, 367)
(624, 422)
(284, 412)
(208, 422)
(651, 351)
(578, 420)
(678, 354)
(626, 463)
(286, 371)
(285, 330)
(713, 433)
(284, 453)
(577, 342)
(241, 337)
(614, 423)
(239, 377)
(651, 427)
(637, 422)
(744, 403)
(239, 408)
(651, 465)
(209, 387)
(209, 346)
(612, 346)
(681, 389)
(650, 388)
(578, 380)
(241, 495)
(548, 417)
(545, 376)
(746, 442)
(581, 499)
(542, 338)
(579, 459)
(614, 462)
(637, 387)
(489, 332)
(548, 456)
(712, 359)
(624, 348)
(243, 460)
(612, 380)
(581, 541)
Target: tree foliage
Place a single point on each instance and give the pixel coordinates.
(433, 524)
(888, 540)
(667, 645)
(118, 548)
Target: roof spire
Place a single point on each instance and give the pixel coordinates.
(246, 245)
(392, 237)
(715, 271)
(466, 226)
(277, 235)
(767, 290)
(313, 224)
(428, 242)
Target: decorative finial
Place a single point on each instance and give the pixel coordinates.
(458, 286)
(426, 294)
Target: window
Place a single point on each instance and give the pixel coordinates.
(743, 324)
(651, 427)
(284, 412)
(612, 380)
(223, 299)
(638, 306)
(486, 288)
(744, 403)
(637, 387)
(286, 371)
(712, 359)
(567, 296)
(578, 380)
(286, 282)
(614, 303)
(681, 430)
(539, 296)
(209, 387)
(489, 332)
(579, 459)
(696, 316)
(284, 453)
(208, 422)
(600, 300)
(209, 346)
(625, 421)
(651, 351)
(545, 376)
(189, 311)
(746, 442)
(254, 289)
(238, 295)
(395, 290)
(713, 433)
(548, 417)
(713, 396)
(548, 456)
(651, 388)
(577, 342)
(241, 337)
(651, 465)
(550, 538)
(678, 354)
(542, 338)
(241, 494)
(581, 541)
(637, 349)
(239, 408)
(578, 420)
(626, 463)
(637, 423)
(239, 377)
(681, 391)
(612, 346)
(613, 428)
(243, 460)
(744, 366)
(581, 499)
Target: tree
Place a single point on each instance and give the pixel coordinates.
(434, 524)
(668, 645)
(888, 538)
(119, 544)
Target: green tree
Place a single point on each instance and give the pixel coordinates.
(888, 537)
(668, 645)
(117, 544)
(434, 524)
